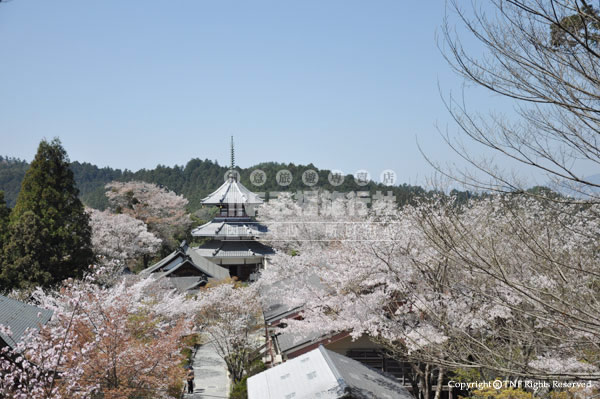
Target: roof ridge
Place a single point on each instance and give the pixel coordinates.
(226, 190)
(239, 189)
(336, 373)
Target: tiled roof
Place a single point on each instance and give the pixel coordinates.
(19, 317)
(232, 192)
(324, 374)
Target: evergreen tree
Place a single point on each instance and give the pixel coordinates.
(4, 214)
(51, 235)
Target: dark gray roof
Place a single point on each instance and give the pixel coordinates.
(363, 381)
(232, 192)
(182, 256)
(291, 341)
(178, 253)
(273, 308)
(217, 272)
(234, 249)
(184, 284)
(230, 227)
(324, 374)
(19, 317)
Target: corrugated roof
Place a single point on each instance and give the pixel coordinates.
(228, 228)
(324, 374)
(19, 317)
(232, 192)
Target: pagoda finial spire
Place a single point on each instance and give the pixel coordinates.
(232, 154)
(232, 174)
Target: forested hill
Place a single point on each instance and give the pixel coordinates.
(195, 180)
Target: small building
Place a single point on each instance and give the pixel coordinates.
(324, 374)
(19, 317)
(285, 345)
(185, 270)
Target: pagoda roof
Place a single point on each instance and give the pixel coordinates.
(230, 227)
(232, 192)
(233, 249)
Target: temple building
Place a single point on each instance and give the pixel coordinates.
(230, 249)
(233, 232)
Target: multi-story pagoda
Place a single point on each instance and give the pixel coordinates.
(233, 232)
(231, 249)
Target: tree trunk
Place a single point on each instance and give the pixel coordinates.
(440, 384)
(426, 377)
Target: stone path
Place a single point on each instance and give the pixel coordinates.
(210, 375)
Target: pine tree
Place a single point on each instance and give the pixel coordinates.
(50, 231)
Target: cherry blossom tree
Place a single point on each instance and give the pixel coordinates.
(229, 315)
(505, 285)
(118, 341)
(305, 219)
(162, 210)
(119, 238)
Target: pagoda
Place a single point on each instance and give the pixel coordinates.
(232, 234)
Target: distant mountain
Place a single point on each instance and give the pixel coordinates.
(12, 171)
(572, 189)
(195, 180)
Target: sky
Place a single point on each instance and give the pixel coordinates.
(342, 84)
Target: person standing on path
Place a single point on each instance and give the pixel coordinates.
(190, 380)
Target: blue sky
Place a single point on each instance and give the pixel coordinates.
(343, 84)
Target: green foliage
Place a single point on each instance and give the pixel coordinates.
(194, 181)
(509, 393)
(4, 218)
(581, 27)
(50, 232)
(239, 390)
(466, 374)
(188, 344)
(12, 171)
(91, 180)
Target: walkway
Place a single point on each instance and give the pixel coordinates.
(210, 374)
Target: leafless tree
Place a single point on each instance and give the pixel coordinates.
(544, 55)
